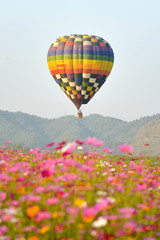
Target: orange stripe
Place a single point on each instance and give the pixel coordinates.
(69, 71)
(54, 72)
(61, 71)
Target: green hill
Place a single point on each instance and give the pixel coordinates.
(31, 131)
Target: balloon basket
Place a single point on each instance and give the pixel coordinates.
(79, 114)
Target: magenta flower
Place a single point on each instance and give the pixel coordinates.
(50, 144)
(46, 173)
(7, 142)
(125, 148)
(79, 142)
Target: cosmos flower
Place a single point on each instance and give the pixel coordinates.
(100, 222)
(125, 148)
(50, 144)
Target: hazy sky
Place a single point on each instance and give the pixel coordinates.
(27, 29)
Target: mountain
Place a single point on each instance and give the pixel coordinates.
(31, 131)
(148, 134)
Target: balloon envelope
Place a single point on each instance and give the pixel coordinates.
(80, 64)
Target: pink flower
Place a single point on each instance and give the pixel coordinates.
(34, 151)
(102, 205)
(70, 177)
(3, 229)
(40, 189)
(52, 201)
(127, 212)
(110, 151)
(89, 214)
(130, 227)
(69, 148)
(149, 238)
(34, 198)
(141, 187)
(43, 215)
(93, 141)
(87, 168)
(7, 217)
(125, 148)
(105, 149)
(50, 144)
(98, 143)
(7, 142)
(2, 196)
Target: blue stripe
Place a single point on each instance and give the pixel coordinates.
(77, 51)
(78, 79)
(52, 53)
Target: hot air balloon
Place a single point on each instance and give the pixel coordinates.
(80, 64)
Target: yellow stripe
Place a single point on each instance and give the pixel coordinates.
(87, 64)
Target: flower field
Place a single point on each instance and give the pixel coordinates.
(78, 191)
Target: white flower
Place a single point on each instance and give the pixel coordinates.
(79, 147)
(67, 146)
(98, 200)
(111, 199)
(112, 169)
(103, 193)
(10, 210)
(104, 173)
(100, 222)
(14, 220)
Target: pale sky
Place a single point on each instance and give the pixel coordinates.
(131, 27)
